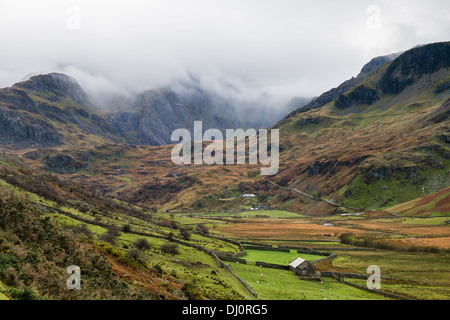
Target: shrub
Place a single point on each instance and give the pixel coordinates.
(135, 254)
(192, 292)
(3, 246)
(111, 235)
(26, 294)
(83, 230)
(170, 248)
(202, 229)
(158, 270)
(126, 228)
(346, 238)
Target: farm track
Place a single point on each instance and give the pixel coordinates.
(329, 201)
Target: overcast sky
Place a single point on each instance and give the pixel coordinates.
(281, 47)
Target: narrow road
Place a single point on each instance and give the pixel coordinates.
(329, 201)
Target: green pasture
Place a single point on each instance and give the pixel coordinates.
(278, 257)
(274, 284)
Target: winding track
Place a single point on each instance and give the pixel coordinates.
(328, 201)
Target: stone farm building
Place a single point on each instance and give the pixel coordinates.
(301, 267)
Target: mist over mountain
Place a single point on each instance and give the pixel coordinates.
(49, 109)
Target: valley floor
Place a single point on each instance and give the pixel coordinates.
(411, 251)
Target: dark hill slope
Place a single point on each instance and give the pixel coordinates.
(327, 97)
(157, 113)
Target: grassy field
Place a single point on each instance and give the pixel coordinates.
(413, 290)
(189, 265)
(425, 267)
(272, 284)
(260, 214)
(417, 275)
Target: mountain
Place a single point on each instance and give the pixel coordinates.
(157, 113)
(80, 186)
(334, 93)
(57, 86)
(50, 110)
(380, 140)
(361, 145)
(368, 148)
(151, 116)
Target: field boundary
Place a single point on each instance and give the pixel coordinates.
(383, 293)
(242, 281)
(271, 265)
(331, 256)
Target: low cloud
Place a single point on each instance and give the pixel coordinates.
(251, 49)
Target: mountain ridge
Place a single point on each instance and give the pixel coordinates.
(360, 149)
(146, 118)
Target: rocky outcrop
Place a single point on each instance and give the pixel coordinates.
(157, 113)
(362, 95)
(406, 68)
(38, 112)
(309, 121)
(330, 166)
(408, 164)
(23, 130)
(16, 99)
(58, 85)
(442, 87)
(333, 94)
(414, 64)
(62, 163)
(441, 114)
(378, 62)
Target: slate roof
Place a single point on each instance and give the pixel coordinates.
(296, 262)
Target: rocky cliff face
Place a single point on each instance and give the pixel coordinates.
(360, 96)
(329, 96)
(23, 130)
(382, 136)
(159, 112)
(414, 64)
(48, 110)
